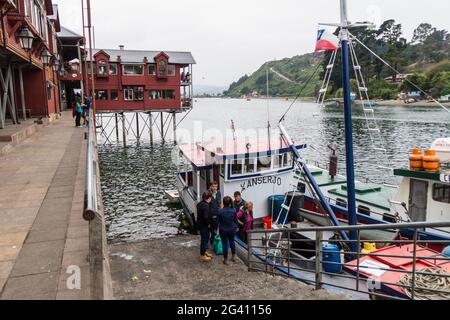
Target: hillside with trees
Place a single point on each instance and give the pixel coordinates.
(425, 59)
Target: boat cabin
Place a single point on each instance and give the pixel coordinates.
(256, 169)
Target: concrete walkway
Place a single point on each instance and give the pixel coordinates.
(170, 270)
(42, 232)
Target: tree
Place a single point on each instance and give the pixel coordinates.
(423, 31)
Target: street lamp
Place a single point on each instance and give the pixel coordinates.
(56, 65)
(46, 57)
(26, 39)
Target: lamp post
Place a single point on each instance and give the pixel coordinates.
(46, 60)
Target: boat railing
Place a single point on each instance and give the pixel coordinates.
(413, 267)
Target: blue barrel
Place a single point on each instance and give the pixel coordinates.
(275, 208)
(331, 253)
(446, 252)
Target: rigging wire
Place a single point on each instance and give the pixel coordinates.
(300, 92)
(398, 72)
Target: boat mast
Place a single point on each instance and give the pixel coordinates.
(351, 198)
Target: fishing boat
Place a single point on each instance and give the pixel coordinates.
(421, 196)
(257, 169)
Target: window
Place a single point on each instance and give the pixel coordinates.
(101, 94)
(114, 95)
(264, 164)
(162, 68)
(441, 193)
(364, 210)
(128, 94)
(139, 93)
(249, 165)
(102, 68)
(133, 69)
(134, 94)
(152, 69)
(113, 69)
(341, 203)
(287, 160)
(162, 94)
(236, 167)
(171, 70)
(389, 218)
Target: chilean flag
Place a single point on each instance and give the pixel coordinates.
(326, 41)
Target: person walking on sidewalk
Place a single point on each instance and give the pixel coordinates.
(203, 225)
(227, 228)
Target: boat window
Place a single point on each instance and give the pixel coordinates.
(264, 164)
(341, 203)
(249, 165)
(389, 218)
(222, 170)
(236, 167)
(364, 210)
(287, 160)
(441, 193)
(301, 187)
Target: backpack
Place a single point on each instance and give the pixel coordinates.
(217, 245)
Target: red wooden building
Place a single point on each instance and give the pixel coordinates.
(142, 81)
(29, 83)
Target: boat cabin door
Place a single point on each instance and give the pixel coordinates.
(418, 198)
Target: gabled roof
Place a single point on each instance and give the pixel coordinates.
(137, 56)
(68, 34)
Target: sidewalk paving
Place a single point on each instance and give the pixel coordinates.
(42, 232)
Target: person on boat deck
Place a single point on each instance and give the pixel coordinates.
(216, 204)
(228, 226)
(203, 225)
(245, 221)
(238, 202)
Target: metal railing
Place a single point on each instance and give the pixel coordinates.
(421, 273)
(91, 192)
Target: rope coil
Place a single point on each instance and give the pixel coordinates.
(427, 285)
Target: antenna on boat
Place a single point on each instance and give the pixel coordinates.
(268, 106)
(233, 128)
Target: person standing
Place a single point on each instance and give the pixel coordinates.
(86, 109)
(203, 225)
(227, 228)
(245, 221)
(216, 204)
(238, 202)
(77, 113)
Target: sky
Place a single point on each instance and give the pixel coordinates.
(230, 38)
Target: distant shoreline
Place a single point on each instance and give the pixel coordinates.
(399, 103)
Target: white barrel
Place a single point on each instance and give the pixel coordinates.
(442, 147)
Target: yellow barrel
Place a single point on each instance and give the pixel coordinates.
(431, 162)
(416, 160)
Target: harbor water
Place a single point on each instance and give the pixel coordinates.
(134, 178)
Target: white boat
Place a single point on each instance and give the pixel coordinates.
(257, 169)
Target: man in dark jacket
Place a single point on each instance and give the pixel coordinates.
(216, 204)
(203, 225)
(238, 202)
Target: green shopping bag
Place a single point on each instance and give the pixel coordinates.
(217, 245)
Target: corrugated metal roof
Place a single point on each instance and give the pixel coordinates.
(137, 56)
